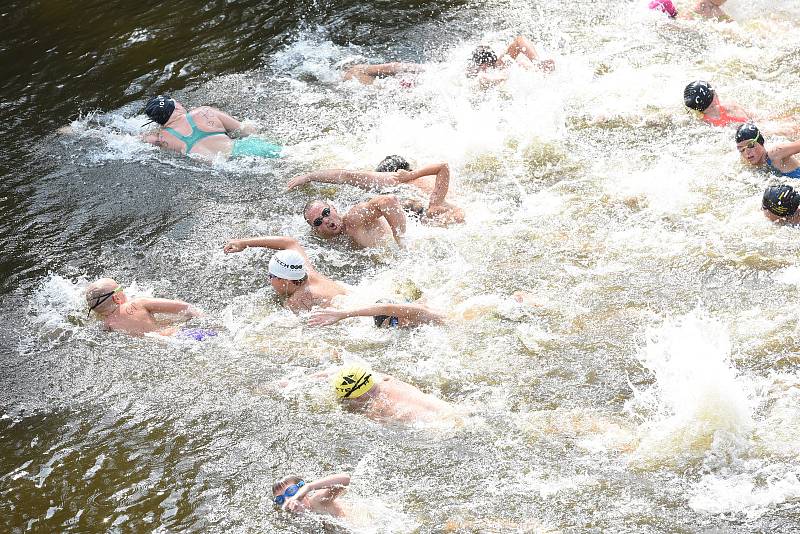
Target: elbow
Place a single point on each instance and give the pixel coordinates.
(345, 479)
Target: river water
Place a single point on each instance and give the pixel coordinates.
(653, 386)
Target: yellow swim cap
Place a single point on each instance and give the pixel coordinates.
(352, 382)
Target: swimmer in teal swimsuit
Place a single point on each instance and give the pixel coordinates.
(779, 158)
(205, 132)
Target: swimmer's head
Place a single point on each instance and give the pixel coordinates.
(665, 6)
(279, 486)
(323, 218)
(160, 108)
(482, 58)
(352, 382)
(750, 144)
(287, 271)
(748, 131)
(781, 200)
(103, 296)
(393, 164)
(698, 95)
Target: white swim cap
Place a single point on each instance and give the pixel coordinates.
(287, 264)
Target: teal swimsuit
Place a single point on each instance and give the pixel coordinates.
(250, 146)
(791, 174)
(196, 135)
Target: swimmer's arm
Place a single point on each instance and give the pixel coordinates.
(442, 184)
(361, 179)
(273, 242)
(366, 74)
(781, 152)
(327, 488)
(411, 312)
(385, 206)
(177, 307)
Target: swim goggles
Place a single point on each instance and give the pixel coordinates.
(325, 213)
(751, 143)
(99, 299)
(291, 491)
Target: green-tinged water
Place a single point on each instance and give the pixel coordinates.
(652, 386)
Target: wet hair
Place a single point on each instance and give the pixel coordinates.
(781, 200)
(483, 55)
(698, 95)
(748, 131)
(393, 164)
(285, 481)
(159, 109)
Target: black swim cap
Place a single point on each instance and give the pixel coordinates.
(393, 164)
(160, 108)
(747, 131)
(781, 200)
(698, 95)
(484, 55)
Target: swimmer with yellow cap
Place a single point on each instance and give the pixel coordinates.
(382, 397)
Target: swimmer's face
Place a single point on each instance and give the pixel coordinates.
(324, 219)
(752, 152)
(282, 287)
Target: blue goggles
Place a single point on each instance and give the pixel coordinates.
(291, 491)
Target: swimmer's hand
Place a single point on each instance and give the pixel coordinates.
(295, 504)
(297, 181)
(326, 317)
(234, 245)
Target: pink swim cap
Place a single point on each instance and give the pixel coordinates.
(665, 6)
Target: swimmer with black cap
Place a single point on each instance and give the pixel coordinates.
(780, 203)
(381, 397)
(779, 158)
(701, 98)
(491, 69)
(107, 299)
(432, 179)
(204, 132)
(291, 273)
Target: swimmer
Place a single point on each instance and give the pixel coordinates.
(295, 495)
(708, 9)
(701, 98)
(384, 398)
(385, 314)
(432, 179)
(291, 273)
(779, 158)
(780, 203)
(204, 132)
(107, 299)
(367, 224)
(367, 74)
(491, 69)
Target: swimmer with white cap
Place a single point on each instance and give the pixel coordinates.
(432, 180)
(382, 397)
(107, 299)
(291, 273)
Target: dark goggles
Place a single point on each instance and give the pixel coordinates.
(99, 299)
(325, 213)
